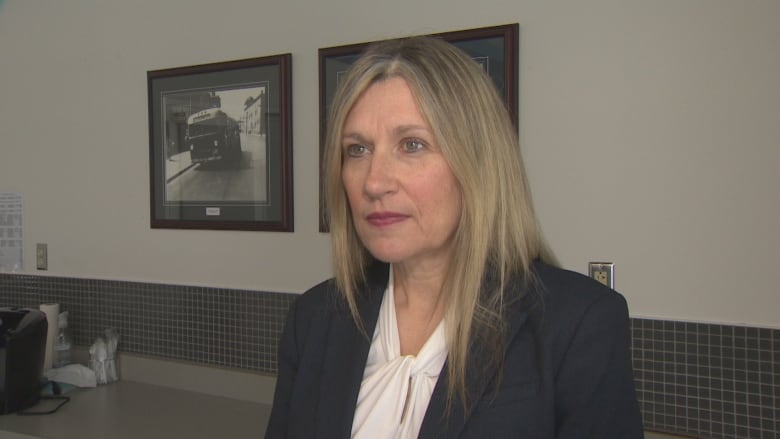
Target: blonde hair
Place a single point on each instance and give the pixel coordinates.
(498, 236)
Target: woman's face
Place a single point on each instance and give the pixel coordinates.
(405, 201)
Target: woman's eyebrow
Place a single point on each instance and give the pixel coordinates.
(353, 136)
(406, 129)
(399, 131)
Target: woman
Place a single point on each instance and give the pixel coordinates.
(446, 316)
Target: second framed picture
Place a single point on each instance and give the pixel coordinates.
(495, 48)
(220, 145)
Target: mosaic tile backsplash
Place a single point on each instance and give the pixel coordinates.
(701, 380)
(707, 380)
(212, 326)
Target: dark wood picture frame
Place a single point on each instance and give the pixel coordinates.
(495, 47)
(220, 145)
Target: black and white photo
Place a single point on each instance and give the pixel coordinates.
(220, 141)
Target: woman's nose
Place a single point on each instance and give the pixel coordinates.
(381, 177)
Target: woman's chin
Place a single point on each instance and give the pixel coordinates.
(388, 255)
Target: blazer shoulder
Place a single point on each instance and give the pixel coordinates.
(576, 289)
(314, 307)
(563, 298)
(319, 298)
(325, 297)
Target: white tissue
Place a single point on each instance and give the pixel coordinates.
(102, 357)
(97, 360)
(52, 312)
(76, 374)
(112, 339)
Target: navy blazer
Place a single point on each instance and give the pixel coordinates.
(567, 370)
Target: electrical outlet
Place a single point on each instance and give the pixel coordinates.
(42, 256)
(603, 272)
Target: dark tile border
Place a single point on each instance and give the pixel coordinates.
(707, 380)
(213, 326)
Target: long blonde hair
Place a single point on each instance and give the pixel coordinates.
(498, 236)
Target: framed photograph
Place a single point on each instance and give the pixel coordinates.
(220, 145)
(494, 48)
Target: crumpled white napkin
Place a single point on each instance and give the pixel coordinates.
(75, 374)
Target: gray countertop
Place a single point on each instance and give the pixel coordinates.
(129, 410)
(161, 399)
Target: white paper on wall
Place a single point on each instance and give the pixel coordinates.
(10, 232)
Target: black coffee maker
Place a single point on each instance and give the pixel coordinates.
(22, 351)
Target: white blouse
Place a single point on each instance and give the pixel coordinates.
(396, 390)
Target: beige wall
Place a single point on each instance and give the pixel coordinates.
(651, 131)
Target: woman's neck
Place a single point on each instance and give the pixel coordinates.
(419, 306)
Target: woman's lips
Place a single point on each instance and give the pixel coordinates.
(381, 219)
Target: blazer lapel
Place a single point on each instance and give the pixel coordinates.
(436, 423)
(345, 359)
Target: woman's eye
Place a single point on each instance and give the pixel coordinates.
(356, 150)
(413, 145)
